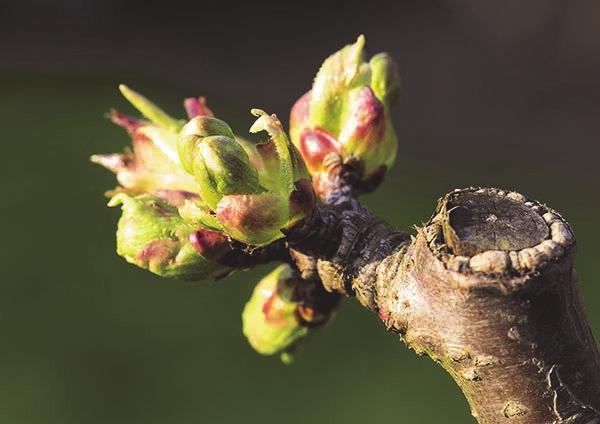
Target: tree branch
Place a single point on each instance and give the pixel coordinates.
(486, 289)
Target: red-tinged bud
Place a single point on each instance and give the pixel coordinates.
(254, 219)
(348, 106)
(210, 244)
(128, 122)
(284, 309)
(315, 145)
(363, 133)
(196, 107)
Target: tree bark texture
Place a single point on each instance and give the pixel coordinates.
(486, 288)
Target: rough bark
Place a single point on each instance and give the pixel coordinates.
(486, 289)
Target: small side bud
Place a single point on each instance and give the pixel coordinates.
(282, 310)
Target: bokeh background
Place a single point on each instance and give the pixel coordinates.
(503, 93)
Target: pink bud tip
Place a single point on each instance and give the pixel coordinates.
(196, 107)
(315, 145)
(129, 123)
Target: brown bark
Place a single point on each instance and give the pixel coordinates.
(486, 289)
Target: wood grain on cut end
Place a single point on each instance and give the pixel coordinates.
(482, 220)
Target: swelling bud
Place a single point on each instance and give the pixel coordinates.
(347, 112)
(284, 309)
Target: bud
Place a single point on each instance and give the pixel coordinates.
(347, 111)
(283, 309)
(245, 191)
(153, 164)
(221, 167)
(192, 134)
(152, 235)
(253, 190)
(364, 129)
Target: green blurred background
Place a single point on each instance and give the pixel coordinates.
(495, 93)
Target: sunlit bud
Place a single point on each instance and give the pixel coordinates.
(153, 236)
(282, 310)
(347, 112)
(193, 132)
(221, 167)
(217, 183)
(363, 133)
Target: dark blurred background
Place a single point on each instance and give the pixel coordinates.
(502, 93)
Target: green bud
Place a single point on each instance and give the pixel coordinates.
(282, 310)
(221, 167)
(153, 236)
(269, 319)
(194, 131)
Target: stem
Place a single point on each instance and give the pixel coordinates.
(486, 289)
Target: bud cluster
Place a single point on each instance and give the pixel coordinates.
(197, 200)
(347, 112)
(188, 187)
